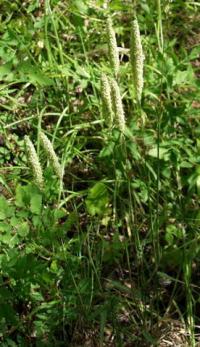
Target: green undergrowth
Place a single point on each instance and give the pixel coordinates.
(108, 254)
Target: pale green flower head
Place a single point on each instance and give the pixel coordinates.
(112, 47)
(106, 98)
(51, 155)
(117, 105)
(137, 59)
(34, 162)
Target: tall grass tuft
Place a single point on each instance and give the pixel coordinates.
(112, 47)
(137, 59)
(117, 105)
(48, 148)
(34, 162)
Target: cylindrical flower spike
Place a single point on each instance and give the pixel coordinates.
(112, 47)
(137, 59)
(48, 147)
(34, 162)
(106, 97)
(117, 104)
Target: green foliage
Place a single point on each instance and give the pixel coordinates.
(110, 251)
(97, 199)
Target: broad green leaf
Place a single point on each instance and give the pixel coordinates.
(107, 151)
(58, 213)
(19, 196)
(34, 75)
(97, 199)
(14, 221)
(173, 232)
(23, 229)
(183, 77)
(6, 237)
(5, 209)
(54, 266)
(81, 71)
(194, 54)
(80, 6)
(163, 153)
(5, 227)
(71, 220)
(36, 204)
(24, 194)
(33, 6)
(5, 70)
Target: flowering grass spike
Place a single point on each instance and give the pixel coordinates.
(48, 147)
(34, 162)
(112, 47)
(106, 97)
(137, 59)
(117, 104)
